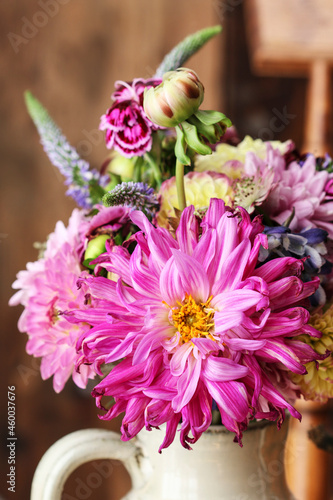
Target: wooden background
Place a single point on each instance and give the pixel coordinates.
(70, 58)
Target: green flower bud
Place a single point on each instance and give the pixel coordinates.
(119, 165)
(94, 249)
(175, 99)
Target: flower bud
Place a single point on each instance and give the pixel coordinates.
(121, 165)
(175, 99)
(95, 247)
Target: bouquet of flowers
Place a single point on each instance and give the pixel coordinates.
(194, 281)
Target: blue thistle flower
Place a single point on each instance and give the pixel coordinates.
(85, 185)
(137, 195)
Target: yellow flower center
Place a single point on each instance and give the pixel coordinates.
(193, 320)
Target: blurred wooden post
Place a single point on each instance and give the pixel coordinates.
(306, 465)
(317, 108)
(288, 38)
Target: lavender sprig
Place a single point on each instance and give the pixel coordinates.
(137, 195)
(185, 49)
(85, 185)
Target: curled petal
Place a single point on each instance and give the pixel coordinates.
(223, 370)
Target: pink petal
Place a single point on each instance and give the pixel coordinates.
(232, 270)
(187, 231)
(187, 384)
(231, 397)
(222, 369)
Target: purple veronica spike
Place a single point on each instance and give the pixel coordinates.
(84, 184)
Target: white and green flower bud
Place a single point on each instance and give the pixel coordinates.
(175, 99)
(121, 166)
(94, 249)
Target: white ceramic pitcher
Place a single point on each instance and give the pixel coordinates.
(216, 468)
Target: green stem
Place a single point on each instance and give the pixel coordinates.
(155, 170)
(137, 173)
(180, 185)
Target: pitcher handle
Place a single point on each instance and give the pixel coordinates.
(79, 447)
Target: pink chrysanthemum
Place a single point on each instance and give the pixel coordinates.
(306, 191)
(191, 320)
(128, 129)
(47, 287)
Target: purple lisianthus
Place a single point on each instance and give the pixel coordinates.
(128, 129)
(189, 320)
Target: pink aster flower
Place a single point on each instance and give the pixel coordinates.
(303, 189)
(128, 129)
(191, 320)
(255, 182)
(47, 287)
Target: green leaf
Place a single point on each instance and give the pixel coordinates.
(207, 131)
(208, 117)
(36, 110)
(157, 176)
(138, 167)
(185, 49)
(193, 140)
(180, 147)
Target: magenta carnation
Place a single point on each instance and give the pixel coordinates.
(128, 129)
(307, 191)
(47, 287)
(191, 320)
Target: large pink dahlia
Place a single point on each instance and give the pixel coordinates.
(46, 288)
(190, 320)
